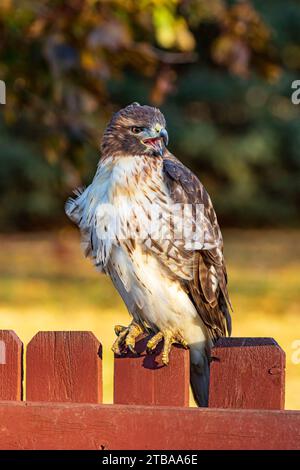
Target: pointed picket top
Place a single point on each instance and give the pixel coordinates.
(64, 366)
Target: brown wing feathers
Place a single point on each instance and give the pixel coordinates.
(210, 298)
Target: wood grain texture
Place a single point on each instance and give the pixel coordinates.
(88, 426)
(144, 380)
(247, 373)
(11, 366)
(64, 366)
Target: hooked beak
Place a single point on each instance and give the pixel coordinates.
(157, 139)
(165, 136)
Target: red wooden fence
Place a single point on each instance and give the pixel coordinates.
(64, 394)
(64, 366)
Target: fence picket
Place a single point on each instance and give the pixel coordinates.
(143, 380)
(64, 366)
(11, 369)
(247, 373)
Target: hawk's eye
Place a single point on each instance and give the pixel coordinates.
(136, 130)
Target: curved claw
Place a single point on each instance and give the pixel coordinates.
(126, 337)
(132, 350)
(116, 348)
(119, 328)
(169, 338)
(149, 351)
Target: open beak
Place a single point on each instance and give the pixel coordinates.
(157, 140)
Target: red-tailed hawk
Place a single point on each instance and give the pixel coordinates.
(148, 222)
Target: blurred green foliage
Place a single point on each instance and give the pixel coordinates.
(221, 71)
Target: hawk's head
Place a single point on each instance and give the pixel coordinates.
(135, 130)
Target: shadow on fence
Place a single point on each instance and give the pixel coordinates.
(63, 407)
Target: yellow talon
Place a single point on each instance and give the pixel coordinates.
(134, 331)
(118, 329)
(169, 338)
(126, 336)
(153, 342)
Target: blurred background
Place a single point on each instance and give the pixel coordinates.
(221, 72)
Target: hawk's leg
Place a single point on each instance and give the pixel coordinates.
(126, 337)
(169, 337)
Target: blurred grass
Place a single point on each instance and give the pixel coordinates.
(46, 284)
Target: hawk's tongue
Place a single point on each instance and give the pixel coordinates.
(155, 144)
